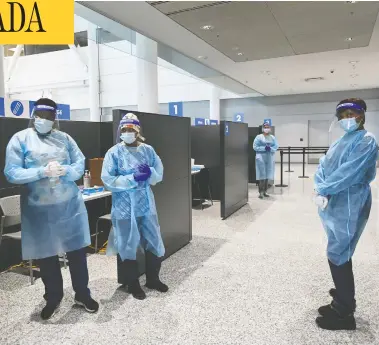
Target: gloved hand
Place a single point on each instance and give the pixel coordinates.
(144, 168)
(268, 148)
(321, 201)
(54, 169)
(141, 177)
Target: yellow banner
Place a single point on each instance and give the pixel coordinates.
(37, 22)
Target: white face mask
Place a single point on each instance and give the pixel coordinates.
(128, 138)
(43, 126)
(266, 130)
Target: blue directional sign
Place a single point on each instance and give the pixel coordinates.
(227, 130)
(213, 122)
(17, 108)
(175, 109)
(2, 107)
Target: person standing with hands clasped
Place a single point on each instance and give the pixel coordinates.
(129, 169)
(54, 218)
(342, 185)
(265, 146)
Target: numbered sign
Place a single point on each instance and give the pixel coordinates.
(175, 109)
(239, 117)
(227, 130)
(199, 122)
(268, 120)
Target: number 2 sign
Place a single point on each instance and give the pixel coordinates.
(239, 117)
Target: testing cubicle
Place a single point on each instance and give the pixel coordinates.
(170, 137)
(224, 150)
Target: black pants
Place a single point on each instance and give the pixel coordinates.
(343, 277)
(52, 277)
(263, 186)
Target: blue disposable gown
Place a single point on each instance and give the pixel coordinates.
(53, 220)
(343, 176)
(265, 161)
(134, 215)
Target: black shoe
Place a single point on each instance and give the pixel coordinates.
(90, 305)
(326, 310)
(157, 285)
(136, 291)
(266, 195)
(335, 322)
(49, 311)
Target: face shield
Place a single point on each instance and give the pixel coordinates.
(349, 116)
(44, 119)
(128, 125)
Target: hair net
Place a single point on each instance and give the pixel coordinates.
(130, 120)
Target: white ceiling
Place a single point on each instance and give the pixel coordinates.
(275, 76)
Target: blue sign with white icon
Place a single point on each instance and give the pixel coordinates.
(17, 108)
(267, 120)
(199, 122)
(175, 109)
(63, 111)
(239, 117)
(213, 122)
(2, 107)
(226, 129)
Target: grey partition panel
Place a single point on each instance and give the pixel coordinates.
(170, 137)
(206, 150)
(235, 169)
(106, 137)
(253, 132)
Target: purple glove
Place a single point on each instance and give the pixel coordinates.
(268, 148)
(144, 168)
(141, 177)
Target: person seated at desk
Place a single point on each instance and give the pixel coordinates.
(54, 218)
(129, 168)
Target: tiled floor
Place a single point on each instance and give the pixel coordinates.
(255, 278)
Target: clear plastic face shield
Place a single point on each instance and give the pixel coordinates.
(44, 119)
(129, 129)
(349, 117)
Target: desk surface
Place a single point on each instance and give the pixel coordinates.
(194, 172)
(94, 196)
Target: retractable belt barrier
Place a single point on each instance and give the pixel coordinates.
(297, 150)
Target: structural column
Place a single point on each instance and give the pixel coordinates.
(2, 76)
(147, 74)
(93, 73)
(214, 104)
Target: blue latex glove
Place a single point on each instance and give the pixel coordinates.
(268, 148)
(144, 168)
(141, 177)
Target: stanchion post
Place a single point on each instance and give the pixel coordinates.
(281, 171)
(303, 165)
(289, 160)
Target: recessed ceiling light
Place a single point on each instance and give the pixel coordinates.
(208, 27)
(353, 62)
(202, 57)
(239, 54)
(350, 2)
(348, 39)
(236, 48)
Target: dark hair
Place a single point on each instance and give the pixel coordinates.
(46, 101)
(357, 101)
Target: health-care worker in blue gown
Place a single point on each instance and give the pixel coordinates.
(342, 184)
(54, 220)
(265, 146)
(129, 169)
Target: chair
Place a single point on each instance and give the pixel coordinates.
(105, 217)
(203, 181)
(11, 218)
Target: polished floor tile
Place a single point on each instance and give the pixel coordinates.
(256, 278)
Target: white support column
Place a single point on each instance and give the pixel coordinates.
(93, 74)
(14, 59)
(147, 74)
(2, 76)
(214, 104)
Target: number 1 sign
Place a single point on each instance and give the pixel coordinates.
(175, 109)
